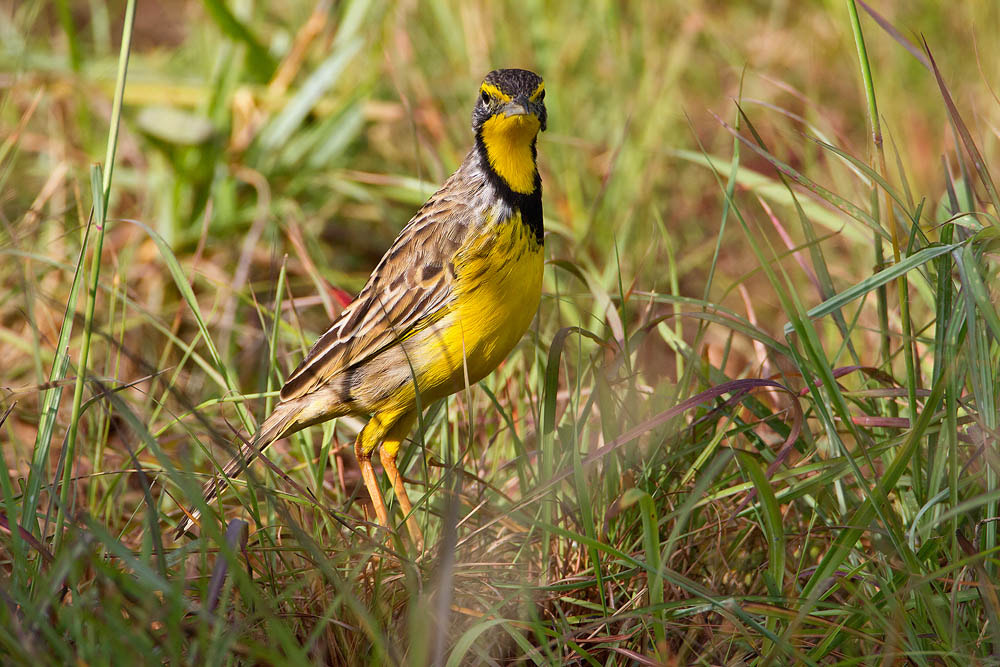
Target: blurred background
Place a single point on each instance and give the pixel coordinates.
(268, 154)
(330, 122)
(337, 119)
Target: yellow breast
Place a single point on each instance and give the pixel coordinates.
(498, 287)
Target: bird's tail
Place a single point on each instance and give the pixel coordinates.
(283, 421)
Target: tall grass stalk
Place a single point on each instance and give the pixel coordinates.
(887, 213)
(101, 192)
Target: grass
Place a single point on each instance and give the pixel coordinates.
(755, 421)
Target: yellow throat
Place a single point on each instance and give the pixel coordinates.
(508, 142)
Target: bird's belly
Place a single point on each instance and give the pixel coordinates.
(499, 285)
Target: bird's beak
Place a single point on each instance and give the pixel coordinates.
(517, 107)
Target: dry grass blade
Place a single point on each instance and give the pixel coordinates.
(978, 163)
(897, 35)
(237, 533)
(30, 539)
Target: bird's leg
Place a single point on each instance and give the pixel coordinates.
(388, 456)
(368, 474)
(387, 431)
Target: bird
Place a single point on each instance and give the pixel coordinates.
(448, 301)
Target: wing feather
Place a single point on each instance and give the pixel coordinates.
(410, 286)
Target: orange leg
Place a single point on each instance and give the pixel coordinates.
(368, 474)
(386, 431)
(388, 457)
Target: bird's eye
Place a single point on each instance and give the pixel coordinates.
(486, 97)
(541, 96)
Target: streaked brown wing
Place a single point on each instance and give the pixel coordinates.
(413, 281)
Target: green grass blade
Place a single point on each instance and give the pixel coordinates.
(875, 281)
(261, 63)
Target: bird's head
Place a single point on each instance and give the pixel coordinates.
(509, 113)
(509, 99)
